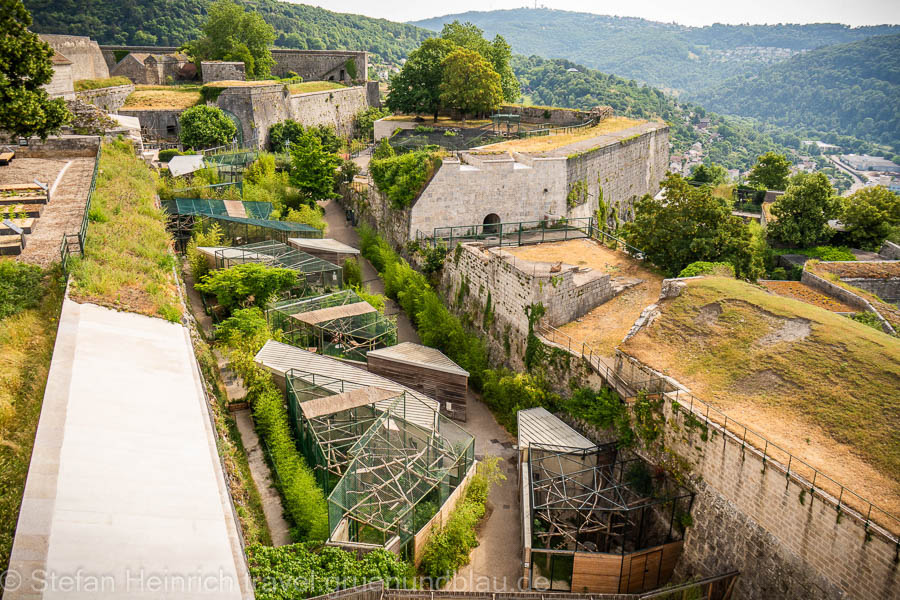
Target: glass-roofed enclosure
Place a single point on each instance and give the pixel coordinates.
(338, 324)
(389, 460)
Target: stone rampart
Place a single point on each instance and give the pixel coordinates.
(60, 146)
(844, 295)
(337, 108)
(217, 70)
(109, 99)
(515, 284)
(257, 108)
(156, 124)
(785, 534)
(322, 65)
(890, 251)
(87, 59)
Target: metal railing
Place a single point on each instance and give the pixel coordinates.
(809, 478)
(517, 233)
(67, 243)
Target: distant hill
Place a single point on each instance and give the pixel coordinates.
(852, 89)
(676, 58)
(174, 22)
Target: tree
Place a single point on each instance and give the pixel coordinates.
(249, 284)
(416, 88)
(313, 169)
(231, 33)
(291, 131)
(498, 53)
(469, 83)
(771, 171)
(712, 174)
(691, 225)
(870, 215)
(25, 66)
(205, 127)
(803, 212)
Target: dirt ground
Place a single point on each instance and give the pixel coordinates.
(804, 293)
(67, 201)
(604, 327)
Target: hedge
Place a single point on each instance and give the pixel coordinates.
(402, 178)
(436, 325)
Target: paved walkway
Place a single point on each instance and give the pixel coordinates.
(340, 230)
(125, 496)
(496, 564)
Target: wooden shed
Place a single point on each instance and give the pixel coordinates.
(426, 370)
(327, 249)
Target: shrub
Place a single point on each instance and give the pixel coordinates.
(506, 393)
(402, 178)
(383, 150)
(867, 318)
(602, 409)
(166, 155)
(198, 261)
(424, 129)
(260, 169)
(246, 330)
(247, 284)
(352, 274)
(449, 547)
(720, 269)
(309, 215)
(365, 120)
(20, 287)
(298, 571)
(205, 127)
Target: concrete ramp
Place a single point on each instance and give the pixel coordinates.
(125, 496)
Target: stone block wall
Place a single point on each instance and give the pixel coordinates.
(787, 540)
(623, 171)
(321, 65)
(539, 114)
(890, 251)
(109, 99)
(516, 284)
(257, 108)
(62, 85)
(462, 194)
(337, 108)
(156, 124)
(385, 127)
(87, 60)
(216, 70)
(846, 296)
(59, 146)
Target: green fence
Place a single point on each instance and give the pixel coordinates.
(518, 233)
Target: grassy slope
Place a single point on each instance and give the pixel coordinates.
(26, 346)
(127, 264)
(843, 378)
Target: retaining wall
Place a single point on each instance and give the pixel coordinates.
(156, 124)
(337, 108)
(844, 295)
(216, 70)
(538, 114)
(787, 540)
(109, 99)
(59, 146)
(890, 251)
(257, 108)
(320, 65)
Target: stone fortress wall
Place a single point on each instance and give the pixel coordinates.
(523, 187)
(217, 70)
(87, 59)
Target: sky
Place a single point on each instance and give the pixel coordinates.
(690, 12)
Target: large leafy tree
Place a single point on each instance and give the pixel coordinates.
(25, 66)
(870, 215)
(803, 212)
(771, 171)
(231, 33)
(691, 225)
(416, 88)
(470, 84)
(249, 284)
(498, 53)
(313, 168)
(205, 127)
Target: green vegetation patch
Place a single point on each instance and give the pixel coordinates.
(96, 84)
(127, 263)
(402, 178)
(307, 87)
(825, 253)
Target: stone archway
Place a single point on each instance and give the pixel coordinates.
(491, 223)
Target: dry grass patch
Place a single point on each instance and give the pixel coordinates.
(26, 347)
(804, 293)
(552, 142)
(127, 264)
(818, 384)
(147, 97)
(96, 84)
(307, 87)
(604, 327)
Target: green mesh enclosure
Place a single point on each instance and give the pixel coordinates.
(314, 274)
(349, 337)
(214, 207)
(249, 230)
(389, 465)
